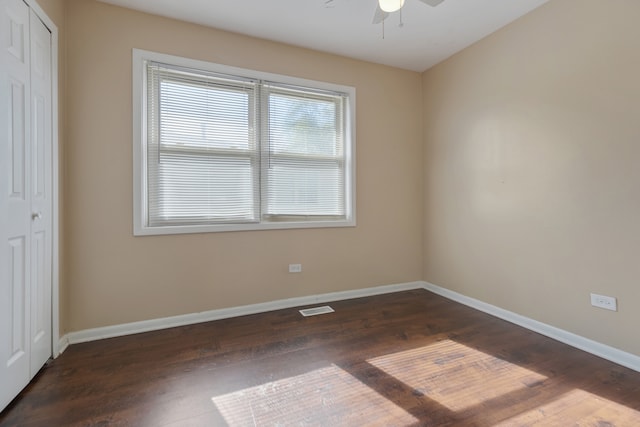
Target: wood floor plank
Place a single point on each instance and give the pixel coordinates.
(405, 359)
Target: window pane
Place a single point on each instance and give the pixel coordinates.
(305, 188)
(305, 171)
(203, 188)
(303, 125)
(203, 116)
(202, 159)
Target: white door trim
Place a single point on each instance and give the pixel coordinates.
(55, 229)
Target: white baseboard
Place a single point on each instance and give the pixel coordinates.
(207, 316)
(63, 343)
(606, 352)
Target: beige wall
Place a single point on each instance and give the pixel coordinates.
(113, 277)
(532, 168)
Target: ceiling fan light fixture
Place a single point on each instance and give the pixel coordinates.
(390, 5)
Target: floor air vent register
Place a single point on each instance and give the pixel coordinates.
(316, 311)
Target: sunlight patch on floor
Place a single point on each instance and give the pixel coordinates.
(582, 407)
(329, 395)
(455, 375)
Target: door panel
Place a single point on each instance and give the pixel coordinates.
(18, 314)
(15, 207)
(40, 193)
(39, 323)
(17, 139)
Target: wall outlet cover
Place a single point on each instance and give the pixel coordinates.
(295, 268)
(603, 301)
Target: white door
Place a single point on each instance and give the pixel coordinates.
(25, 197)
(41, 188)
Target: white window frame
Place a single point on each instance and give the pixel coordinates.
(140, 184)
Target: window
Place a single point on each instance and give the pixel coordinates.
(219, 149)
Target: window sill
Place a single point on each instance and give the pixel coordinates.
(220, 228)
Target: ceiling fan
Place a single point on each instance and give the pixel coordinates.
(385, 7)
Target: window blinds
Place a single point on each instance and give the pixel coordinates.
(223, 149)
(304, 172)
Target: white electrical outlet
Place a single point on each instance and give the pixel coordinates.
(603, 301)
(295, 268)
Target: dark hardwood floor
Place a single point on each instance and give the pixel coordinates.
(405, 359)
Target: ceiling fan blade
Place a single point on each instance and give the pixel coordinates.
(432, 2)
(380, 14)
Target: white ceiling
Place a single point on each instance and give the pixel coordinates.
(344, 27)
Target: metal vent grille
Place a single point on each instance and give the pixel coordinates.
(316, 310)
